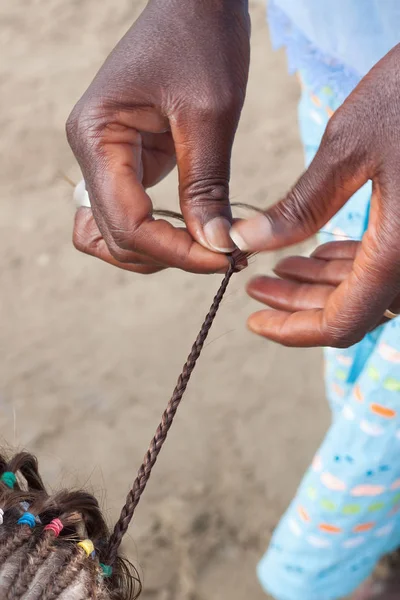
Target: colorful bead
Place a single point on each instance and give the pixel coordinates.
(27, 519)
(87, 546)
(9, 479)
(55, 526)
(107, 570)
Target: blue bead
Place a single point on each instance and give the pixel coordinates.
(27, 519)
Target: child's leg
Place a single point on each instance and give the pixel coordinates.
(346, 514)
(312, 555)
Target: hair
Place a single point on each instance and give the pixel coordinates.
(58, 545)
(53, 545)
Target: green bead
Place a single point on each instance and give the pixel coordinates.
(107, 570)
(9, 479)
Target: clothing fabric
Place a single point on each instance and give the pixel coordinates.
(346, 513)
(338, 42)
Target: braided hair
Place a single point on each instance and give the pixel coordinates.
(59, 545)
(53, 545)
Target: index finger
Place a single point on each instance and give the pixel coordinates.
(112, 167)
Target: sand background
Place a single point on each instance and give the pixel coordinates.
(90, 354)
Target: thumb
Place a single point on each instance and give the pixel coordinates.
(203, 144)
(320, 192)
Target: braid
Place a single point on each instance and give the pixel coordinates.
(68, 573)
(157, 442)
(14, 542)
(30, 566)
(61, 542)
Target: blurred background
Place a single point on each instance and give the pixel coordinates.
(90, 354)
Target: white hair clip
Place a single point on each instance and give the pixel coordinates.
(81, 196)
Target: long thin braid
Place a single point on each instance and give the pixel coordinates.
(158, 440)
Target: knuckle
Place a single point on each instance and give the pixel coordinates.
(229, 101)
(124, 237)
(340, 142)
(73, 126)
(83, 126)
(334, 129)
(340, 335)
(117, 252)
(299, 211)
(70, 126)
(212, 104)
(206, 190)
(81, 240)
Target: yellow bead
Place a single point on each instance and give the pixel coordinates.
(87, 546)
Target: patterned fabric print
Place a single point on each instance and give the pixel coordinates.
(337, 42)
(350, 222)
(346, 513)
(305, 56)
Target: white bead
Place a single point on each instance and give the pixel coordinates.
(81, 197)
(1, 516)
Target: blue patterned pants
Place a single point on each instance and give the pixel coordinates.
(346, 513)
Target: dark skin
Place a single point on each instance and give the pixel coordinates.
(171, 93)
(306, 284)
(361, 142)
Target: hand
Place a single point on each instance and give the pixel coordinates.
(361, 142)
(170, 92)
(304, 284)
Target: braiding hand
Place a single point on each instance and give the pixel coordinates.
(171, 92)
(307, 284)
(361, 142)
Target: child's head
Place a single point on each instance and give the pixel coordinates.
(58, 546)
(53, 546)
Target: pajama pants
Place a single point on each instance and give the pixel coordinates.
(346, 513)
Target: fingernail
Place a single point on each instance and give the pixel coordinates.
(252, 234)
(217, 235)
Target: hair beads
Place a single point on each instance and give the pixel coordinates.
(55, 526)
(107, 570)
(88, 547)
(27, 519)
(39, 555)
(9, 479)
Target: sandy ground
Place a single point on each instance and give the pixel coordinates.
(89, 354)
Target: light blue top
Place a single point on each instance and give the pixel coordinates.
(348, 35)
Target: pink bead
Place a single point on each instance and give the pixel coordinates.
(55, 526)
